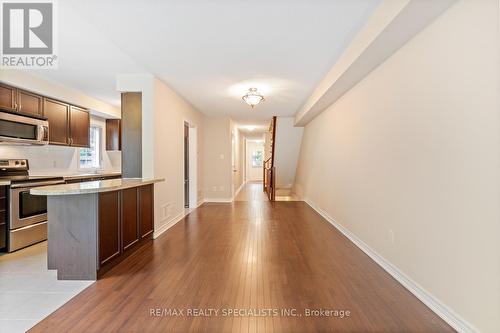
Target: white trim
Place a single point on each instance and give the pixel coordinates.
(443, 311)
(165, 226)
(102, 147)
(239, 189)
(218, 200)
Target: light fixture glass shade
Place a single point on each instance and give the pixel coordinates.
(252, 97)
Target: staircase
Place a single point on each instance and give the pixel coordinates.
(269, 170)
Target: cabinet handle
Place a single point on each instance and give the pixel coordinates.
(15, 106)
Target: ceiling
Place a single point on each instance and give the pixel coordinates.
(210, 52)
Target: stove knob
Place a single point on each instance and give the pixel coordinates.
(23, 163)
(17, 162)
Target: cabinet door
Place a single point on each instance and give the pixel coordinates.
(146, 210)
(3, 216)
(29, 103)
(109, 226)
(57, 114)
(79, 127)
(113, 134)
(7, 97)
(130, 221)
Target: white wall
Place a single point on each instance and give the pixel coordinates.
(164, 113)
(218, 165)
(171, 111)
(60, 160)
(286, 155)
(414, 149)
(253, 173)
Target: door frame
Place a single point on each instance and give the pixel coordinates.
(193, 162)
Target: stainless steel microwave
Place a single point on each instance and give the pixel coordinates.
(21, 129)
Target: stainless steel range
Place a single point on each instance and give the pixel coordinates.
(27, 213)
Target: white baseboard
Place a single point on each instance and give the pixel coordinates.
(164, 227)
(238, 190)
(443, 311)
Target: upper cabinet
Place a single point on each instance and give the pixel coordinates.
(29, 103)
(113, 134)
(79, 123)
(69, 125)
(13, 99)
(57, 113)
(7, 97)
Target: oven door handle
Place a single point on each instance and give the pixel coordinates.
(37, 184)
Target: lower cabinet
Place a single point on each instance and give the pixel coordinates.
(130, 220)
(4, 206)
(146, 207)
(109, 226)
(125, 218)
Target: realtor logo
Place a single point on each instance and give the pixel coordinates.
(28, 30)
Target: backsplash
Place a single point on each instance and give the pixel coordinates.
(48, 160)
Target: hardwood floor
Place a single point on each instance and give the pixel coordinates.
(252, 191)
(247, 256)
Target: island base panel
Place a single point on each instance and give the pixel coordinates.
(72, 236)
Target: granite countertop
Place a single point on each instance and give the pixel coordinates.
(92, 175)
(7, 182)
(94, 186)
(77, 176)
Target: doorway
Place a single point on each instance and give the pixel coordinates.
(254, 159)
(190, 166)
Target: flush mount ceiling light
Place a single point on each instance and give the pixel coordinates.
(252, 97)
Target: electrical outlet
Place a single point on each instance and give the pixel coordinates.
(163, 213)
(221, 156)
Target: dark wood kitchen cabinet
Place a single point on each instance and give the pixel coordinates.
(29, 103)
(57, 113)
(69, 125)
(109, 226)
(4, 203)
(7, 97)
(130, 218)
(14, 99)
(146, 210)
(125, 221)
(113, 134)
(79, 127)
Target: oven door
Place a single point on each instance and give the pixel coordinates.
(27, 209)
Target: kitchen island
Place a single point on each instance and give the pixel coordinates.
(94, 225)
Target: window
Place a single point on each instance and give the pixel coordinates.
(257, 158)
(90, 158)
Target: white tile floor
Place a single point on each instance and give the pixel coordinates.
(29, 291)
